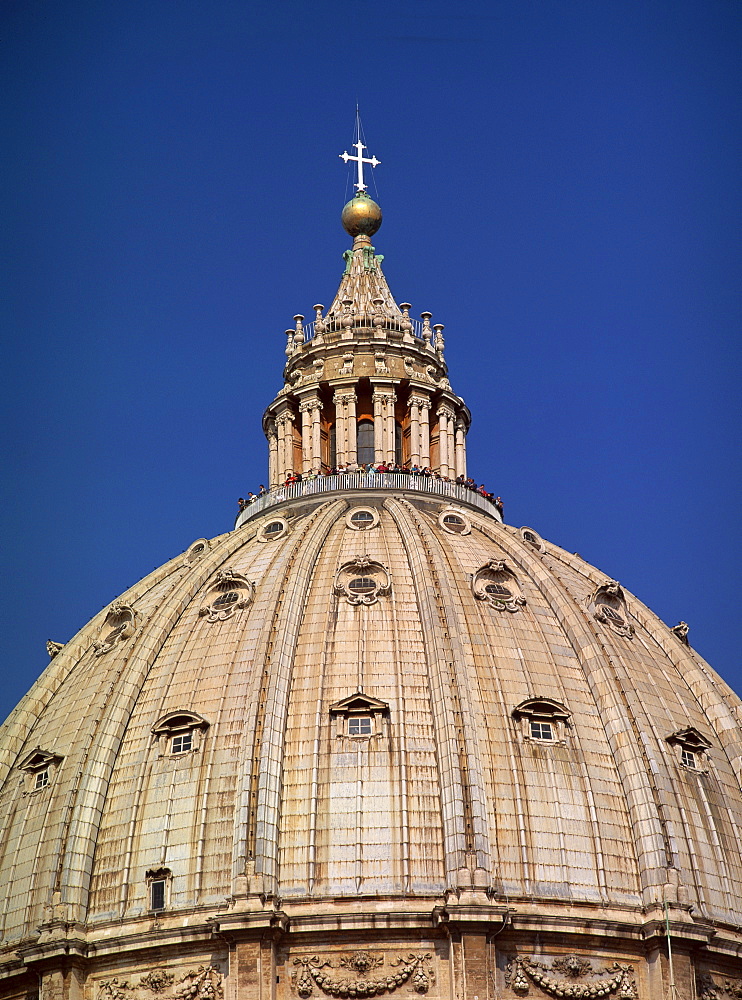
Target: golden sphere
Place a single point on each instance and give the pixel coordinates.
(361, 215)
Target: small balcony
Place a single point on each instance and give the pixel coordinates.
(376, 483)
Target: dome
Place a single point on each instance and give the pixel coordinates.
(374, 740)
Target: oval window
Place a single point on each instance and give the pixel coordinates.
(362, 585)
(497, 590)
(226, 600)
(610, 613)
(273, 528)
(454, 523)
(362, 518)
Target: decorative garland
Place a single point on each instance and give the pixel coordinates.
(617, 984)
(313, 974)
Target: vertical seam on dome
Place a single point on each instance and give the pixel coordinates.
(400, 726)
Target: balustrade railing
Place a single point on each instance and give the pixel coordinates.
(392, 481)
(336, 324)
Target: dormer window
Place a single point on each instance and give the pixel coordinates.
(39, 766)
(179, 733)
(542, 720)
(690, 748)
(359, 717)
(158, 888)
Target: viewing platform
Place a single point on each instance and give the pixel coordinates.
(376, 483)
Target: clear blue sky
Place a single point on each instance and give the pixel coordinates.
(560, 188)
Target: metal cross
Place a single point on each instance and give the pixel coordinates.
(360, 159)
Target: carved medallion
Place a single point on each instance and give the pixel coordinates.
(571, 976)
(314, 972)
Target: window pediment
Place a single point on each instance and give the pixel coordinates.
(359, 703)
(542, 720)
(359, 716)
(38, 759)
(174, 721)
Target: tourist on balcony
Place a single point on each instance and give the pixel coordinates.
(262, 491)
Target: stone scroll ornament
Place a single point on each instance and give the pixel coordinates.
(572, 977)
(609, 608)
(495, 583)
(376, 580)
(708, 989)
(313, 972)
(121, 620)
(227, 582)
(203, 983)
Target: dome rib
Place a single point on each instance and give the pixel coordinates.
(650, 835)
(279, 668)
(524, 559)
(460, 741)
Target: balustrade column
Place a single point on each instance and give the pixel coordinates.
(424, 433)
(272, 454)
(352, 428)
(414, 430)
(288, 444)
(389, 428)
(378, 401)
(308, 408)
(341, 426)
(443, 414)
(317, 437)
(451, 447)
(281, 447)
(419, 431)
(460, 448)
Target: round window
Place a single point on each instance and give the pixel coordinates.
(497, 590)
(198, 548)
(226, 600)
(273, 528)
(362, 585)
(362, 518)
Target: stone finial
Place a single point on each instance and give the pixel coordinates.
(439, 342)
(289, 342)
(378, 313)
(406, 324)
(427, 332)
(347, 319)
(681, 630)
(319, 323)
